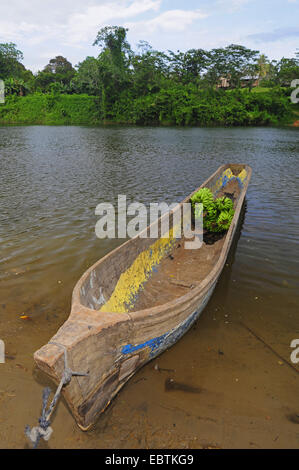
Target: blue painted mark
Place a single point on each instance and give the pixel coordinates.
(225, 180)
(159, 344)
(152, 343)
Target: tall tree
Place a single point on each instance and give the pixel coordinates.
(150, 68)
(113, 39)
(188, 66)
(231, 62)
(60, 71)
(59, 65)
(263, 66)
(113, 63)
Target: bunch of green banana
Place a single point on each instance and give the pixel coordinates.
(203, 196)
(224, 204)
(217, 214)
(224, 220)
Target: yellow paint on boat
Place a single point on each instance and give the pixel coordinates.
(226, 176)
(242, 175)
(132, 280)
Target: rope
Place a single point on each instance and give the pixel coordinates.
(44, 429)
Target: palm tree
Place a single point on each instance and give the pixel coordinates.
(263, 66)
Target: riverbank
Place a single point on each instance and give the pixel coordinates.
(44, 109)
(188, 107)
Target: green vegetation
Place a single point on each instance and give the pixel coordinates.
(177, 105)
(217, 213)
(225, 86)
(40, 108)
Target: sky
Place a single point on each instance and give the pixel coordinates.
(43, 29)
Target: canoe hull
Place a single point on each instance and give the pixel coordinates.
(124, 361)
(112, 346)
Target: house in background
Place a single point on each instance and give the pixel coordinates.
(223, 82)
(246, 81)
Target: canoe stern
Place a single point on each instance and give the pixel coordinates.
(94, 345)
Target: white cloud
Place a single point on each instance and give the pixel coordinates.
(69, 20)
(169, 21)
(66, 25)
(82, 26)
(10, 31)
(44, 28)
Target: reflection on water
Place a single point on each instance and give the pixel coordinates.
(51, 180)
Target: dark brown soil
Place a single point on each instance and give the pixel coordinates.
(210, 238)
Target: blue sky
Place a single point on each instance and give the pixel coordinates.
(43, 29)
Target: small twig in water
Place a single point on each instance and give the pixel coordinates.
(270, 347)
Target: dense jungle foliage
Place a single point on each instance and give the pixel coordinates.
(225, 86)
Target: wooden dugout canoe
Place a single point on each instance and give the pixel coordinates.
(134, 303)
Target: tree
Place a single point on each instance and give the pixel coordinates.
(88, 79)
(144, 46)
(113, 39)
(43, 80)
(16, 86)
(150, 68)
(59, 65)
(59, 70)
(189, 66)
(239, 60)
(263, 65)
(113, 63)
(231, 62)
(10, 58)
(286, 71)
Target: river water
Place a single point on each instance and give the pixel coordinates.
(51, 180)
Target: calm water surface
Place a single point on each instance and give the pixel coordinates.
(51, 180)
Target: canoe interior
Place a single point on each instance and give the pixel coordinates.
(149, 272)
